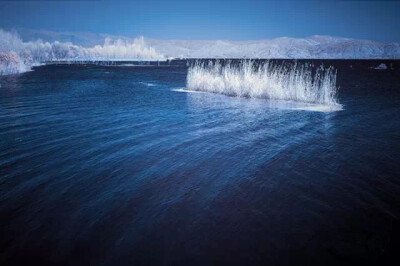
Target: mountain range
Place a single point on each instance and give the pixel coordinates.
(317, 46)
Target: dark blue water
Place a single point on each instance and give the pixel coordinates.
(110, 166)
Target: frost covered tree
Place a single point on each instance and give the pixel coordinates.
(18, 56)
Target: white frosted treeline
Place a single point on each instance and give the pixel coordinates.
(124, 49)
(17, 56)
(292, 83)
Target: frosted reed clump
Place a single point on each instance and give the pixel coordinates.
(292, 83)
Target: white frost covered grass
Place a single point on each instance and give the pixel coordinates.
(289, 83)
(17, 56)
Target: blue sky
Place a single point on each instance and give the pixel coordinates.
(205, 19)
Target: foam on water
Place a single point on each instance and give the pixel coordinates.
(148, 84)
(289, 83)
(184, 90)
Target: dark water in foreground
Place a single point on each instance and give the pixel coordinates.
(110, 166)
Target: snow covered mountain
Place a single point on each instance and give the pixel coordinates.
(318, 46)
(324, 47)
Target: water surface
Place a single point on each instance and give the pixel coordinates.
(114, 166)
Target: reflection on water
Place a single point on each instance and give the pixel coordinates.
(97, 166)
(266, 103)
